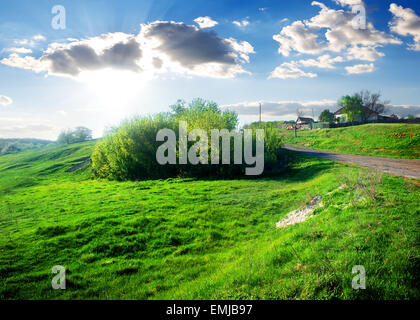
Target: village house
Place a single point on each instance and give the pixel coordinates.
(304, 123)
(370, 115)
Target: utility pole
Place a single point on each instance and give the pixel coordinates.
(260, 112)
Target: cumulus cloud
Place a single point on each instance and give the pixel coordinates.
(360, 68)
(196, 51)
(330, 30)
(160, 46)
(298, 37)
(364, 53)
(290, 70)
(205, 22)
(241, 23)
(4, 101)
(323, 62)
(406, 23)
(27, 62)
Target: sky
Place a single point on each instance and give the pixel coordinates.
(94, 63)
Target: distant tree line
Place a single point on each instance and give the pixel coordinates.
(79, 134)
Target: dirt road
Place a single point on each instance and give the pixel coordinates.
(401, 167)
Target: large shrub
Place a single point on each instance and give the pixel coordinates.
(129, 152)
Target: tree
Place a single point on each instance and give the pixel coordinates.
(352, 107)
(410, 117)
(79, 134)
(82, 134)
(371, 102)
(326, 116)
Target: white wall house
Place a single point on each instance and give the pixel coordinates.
(340, 116)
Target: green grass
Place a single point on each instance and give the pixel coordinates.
(203, 239)
(382, 140)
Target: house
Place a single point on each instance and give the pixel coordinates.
(370, 115)
(303, 121)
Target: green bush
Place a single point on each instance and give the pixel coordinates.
(129, 152)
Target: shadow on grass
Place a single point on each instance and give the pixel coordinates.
(302, 167)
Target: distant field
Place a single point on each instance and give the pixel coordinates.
(382, 140)
(203, 239)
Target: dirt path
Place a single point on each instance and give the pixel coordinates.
(409, 168)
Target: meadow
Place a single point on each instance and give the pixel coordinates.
(203, 238)
(381, 140)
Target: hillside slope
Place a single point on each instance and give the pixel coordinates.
(382, 140)
(203, 239)
(45, 165)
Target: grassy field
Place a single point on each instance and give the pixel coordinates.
(203, 239)
(382, 140)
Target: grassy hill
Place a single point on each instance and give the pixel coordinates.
(8, 146)
(382, 140)
(203, 239)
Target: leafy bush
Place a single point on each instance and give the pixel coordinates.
(129, 152)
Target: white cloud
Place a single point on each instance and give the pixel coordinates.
(286, 110)
(205, 22)
(242, 23)
(262, 9)
(30, 42)
(349, 2)
(18, 50)
(4, 101)
(364, 53)
(27, 62)
(39, 37)
(290, 71)
(282, 109)
(160, 46)
(28, 130)
(330, 30)
(404, 110)
(323, 62)
(361, 68)
(298, 37)
(406, 23)
(185, 48)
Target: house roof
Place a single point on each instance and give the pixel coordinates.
(302, 119)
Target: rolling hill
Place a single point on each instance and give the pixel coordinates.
(381, 140)
(203, 239)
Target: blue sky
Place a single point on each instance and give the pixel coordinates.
(119, 58)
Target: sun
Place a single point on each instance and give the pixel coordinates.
(114, 91)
